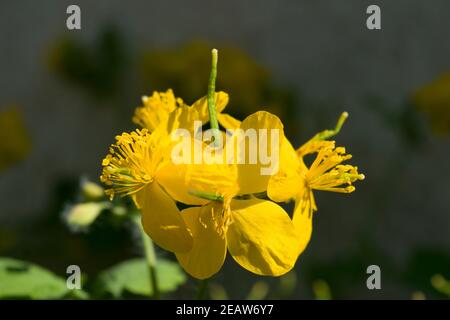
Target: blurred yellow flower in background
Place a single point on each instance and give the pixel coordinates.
(15, 141)
(433, 99)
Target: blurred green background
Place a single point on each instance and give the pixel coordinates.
(66, 94)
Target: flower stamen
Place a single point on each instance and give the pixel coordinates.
(128, 167)
(328, 174)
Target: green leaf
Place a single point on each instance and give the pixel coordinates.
(133, 276)
(20, 279)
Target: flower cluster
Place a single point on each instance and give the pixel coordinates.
(231, 206)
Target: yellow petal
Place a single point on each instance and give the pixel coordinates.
(285, 184)
(162, 221)
(182, 117)
(173, 179)
(150, 118)
(254, 173)
(261, 237)
(228, 122)
(302, 219)
(219, 179)
(201, 105)
(209, 248)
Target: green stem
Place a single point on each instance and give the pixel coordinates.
(212, 96)
(330, 133)
(206, 195)
(202, 290)
(150, 255)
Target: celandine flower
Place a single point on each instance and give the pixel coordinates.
(139, 165)
(156, 170)
(257, 233)
(295, 180)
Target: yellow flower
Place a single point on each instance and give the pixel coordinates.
(156, 109)
(139, 165)
(258, 234)
(295, 180)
